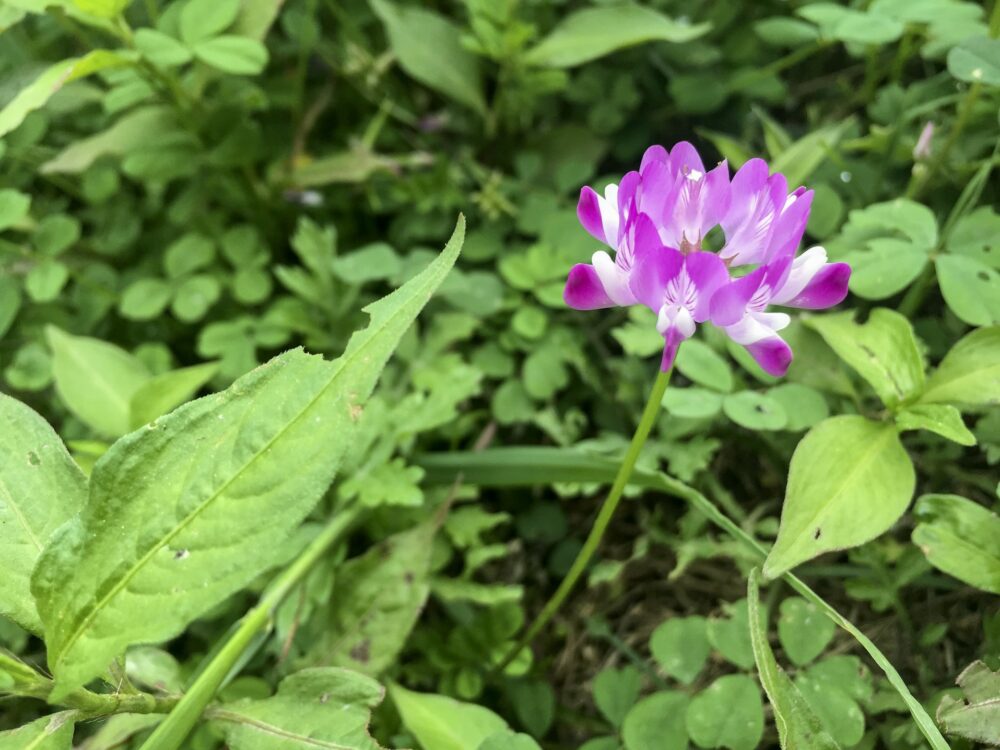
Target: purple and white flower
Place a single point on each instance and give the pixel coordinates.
(655, 221)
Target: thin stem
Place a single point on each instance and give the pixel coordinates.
(924, 722)
(602, 521)
(175, 728)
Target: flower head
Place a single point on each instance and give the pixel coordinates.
(655, 221)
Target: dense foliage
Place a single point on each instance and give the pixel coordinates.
(346, 550)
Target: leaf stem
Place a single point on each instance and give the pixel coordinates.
(258, 621)
(602, 521)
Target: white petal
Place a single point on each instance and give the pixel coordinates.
(756, 326)
(803, 269)
(613, 279)
(609, 213)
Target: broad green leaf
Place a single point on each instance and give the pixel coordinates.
(692, 403)
(804, 631)
(834, 687)
(961, 538)
(40, 488)
(95, 380)
(45, 280)
(14, 207)
(37, 93)
(615, 692)
(849, 481)
(680, 646)
(115, 732)
(755, 411)
(728, 713)
(102, 8)
(798, 725)
(375, 603)
(233, 54)
(783, 31)
(591, 33)
(204, 19)
(256, 17)
(429, 48)
(804, 406)
(53, 732)
(977, 235)
(657, 723)
(883, 351)
(971, 289)
(803, 157)
(163, 393)
(313, 708)
(193, 536)
(370, 263)
(353, 166)
(132, 130)
(943, 419)
(976, 60)
(443, 723)
(969, 373)
(145, 299)
(730, 635)
(509, 741)
(887, 244)
(162, 49)
(701, 364)
(867, 29)
(978, 716)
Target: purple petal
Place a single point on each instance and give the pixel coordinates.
(589, 212)
(709, 274)
(729, 303)
(684, 158)
(826, 289)
(790, 226)
(715, 196)
(748, 183)
(772, 354)
(657, 183)
(628, 192)
(653, 269)
(654, 154)
(584, 290)
(646, 235)
(672, 342)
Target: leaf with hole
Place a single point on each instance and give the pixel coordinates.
(40, 489)
(850, 480)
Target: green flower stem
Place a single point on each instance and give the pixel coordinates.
(602, 521)
(924, 722)
(171, 734)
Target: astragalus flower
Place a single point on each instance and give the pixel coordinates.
(656, 219)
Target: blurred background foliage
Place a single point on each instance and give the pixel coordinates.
(197, 185)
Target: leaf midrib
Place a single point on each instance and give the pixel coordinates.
(19, 515)
(142, 561)
(271, 729)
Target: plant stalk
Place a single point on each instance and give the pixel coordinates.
(175, 728)
(602, 521)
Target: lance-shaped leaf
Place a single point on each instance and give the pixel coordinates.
(314, 708)
(443, 723)
(43, 88)
(191, 508)
(798, 725)
(850, 479)
(53, 732)
(594, 32)
(376, 601)
(40, 489)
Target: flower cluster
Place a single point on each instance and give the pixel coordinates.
(655, 221)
